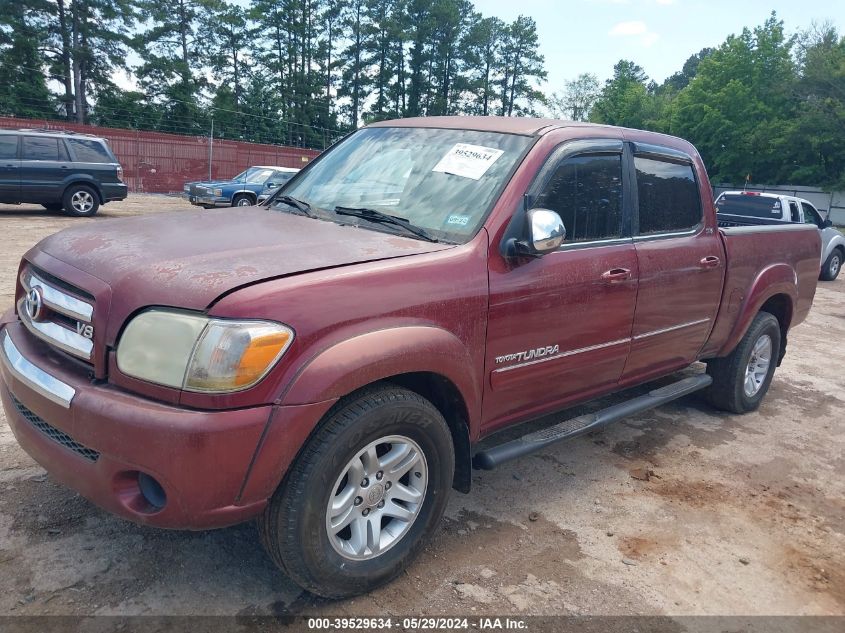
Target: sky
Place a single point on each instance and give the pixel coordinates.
(578, 36)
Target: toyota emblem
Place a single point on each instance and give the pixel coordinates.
(34, 304)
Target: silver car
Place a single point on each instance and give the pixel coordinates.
(752, 207)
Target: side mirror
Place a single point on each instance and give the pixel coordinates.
(270, 185)
(827, 223)
(546, 231)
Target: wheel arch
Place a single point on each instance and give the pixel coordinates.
(774, 290)
(427, 360)
(76, 180)
(244, 192)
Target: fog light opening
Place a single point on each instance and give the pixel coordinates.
(152, 491)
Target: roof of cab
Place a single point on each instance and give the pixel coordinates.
(529, 126)
(504, 124)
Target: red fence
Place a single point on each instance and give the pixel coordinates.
(154, 162)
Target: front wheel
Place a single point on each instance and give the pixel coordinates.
(367, 491)
(242, 200)
(832, 266)
(741, 379)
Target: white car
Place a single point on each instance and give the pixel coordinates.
(737, 208)
(281, 179)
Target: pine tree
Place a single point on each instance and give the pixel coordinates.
(23, 86)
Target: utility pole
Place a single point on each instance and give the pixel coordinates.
(210, 148)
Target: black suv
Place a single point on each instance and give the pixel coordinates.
(59, 170)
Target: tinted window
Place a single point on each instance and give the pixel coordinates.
(794, 215)
(668, 196)
(750, 205)
(89, 151)
(40, 148)
(586, 191)
(811, 216)
(8, 146)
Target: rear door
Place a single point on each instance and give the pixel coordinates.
(44, 165)
(681, 263)
(559, 325)
(10, 176)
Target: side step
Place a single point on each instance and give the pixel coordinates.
(498, 455)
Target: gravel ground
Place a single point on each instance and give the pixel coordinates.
(679, 511)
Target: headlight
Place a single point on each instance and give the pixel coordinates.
(197, 353)
(218, 192)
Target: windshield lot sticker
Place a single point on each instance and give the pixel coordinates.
(460, 220)
(468, 161)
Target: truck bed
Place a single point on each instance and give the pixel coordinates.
(759, 257)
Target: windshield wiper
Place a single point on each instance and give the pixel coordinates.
(300, 205)
(377, 216)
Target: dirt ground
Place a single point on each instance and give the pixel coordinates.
(679, 511)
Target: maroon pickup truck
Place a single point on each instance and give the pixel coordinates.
(329, 362)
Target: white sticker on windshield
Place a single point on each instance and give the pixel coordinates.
(460, 220)
(468, 161)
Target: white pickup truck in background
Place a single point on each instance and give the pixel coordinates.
(749, 208)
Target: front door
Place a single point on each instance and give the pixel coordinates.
(681, 263)
(10, 173)
(559, 326)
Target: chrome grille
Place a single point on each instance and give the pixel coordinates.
(60, 437)
(65, 318)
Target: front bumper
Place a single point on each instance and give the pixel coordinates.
(114, 191)
(209, 201)
(97, 439)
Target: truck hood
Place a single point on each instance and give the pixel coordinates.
(189, 259)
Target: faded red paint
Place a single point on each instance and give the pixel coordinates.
(155, 162)
(367, 306)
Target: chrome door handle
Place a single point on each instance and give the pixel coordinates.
(711, 261)
(615, 275)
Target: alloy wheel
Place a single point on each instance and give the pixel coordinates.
(377, 497)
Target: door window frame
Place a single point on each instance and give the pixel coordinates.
(814, 213)
(667, 155)
(571, 149)
(59, 144)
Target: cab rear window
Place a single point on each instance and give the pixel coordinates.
(749, 206)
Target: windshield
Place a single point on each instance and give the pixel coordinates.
(749, 205)
(443, 181)
(254, 175)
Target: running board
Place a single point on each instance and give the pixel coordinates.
(538, 440)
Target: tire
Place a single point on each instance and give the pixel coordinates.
(53, 207)
(80, 201)
(736, 387)
(832, 265)
(295, 527)
(242, 200)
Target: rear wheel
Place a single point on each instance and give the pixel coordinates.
(741, 379)
(832, 266)
(242, 200)
(367, 491)
(81, 201)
